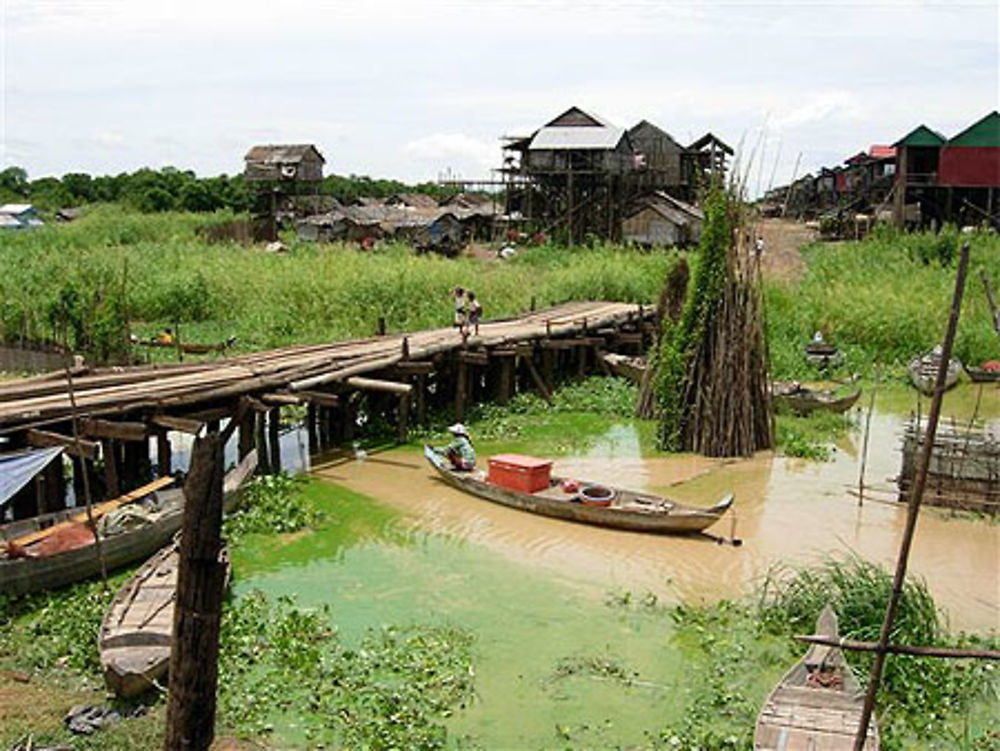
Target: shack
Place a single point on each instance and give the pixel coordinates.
(964, 472)
(660, 220)
(286, 162)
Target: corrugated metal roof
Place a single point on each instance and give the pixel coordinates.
(921, 136)
(576, 137)
(13, 209)
(983, 132)
(879, 151)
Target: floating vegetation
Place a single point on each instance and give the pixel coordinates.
(272, 504)
(393, 690)
(811, 436)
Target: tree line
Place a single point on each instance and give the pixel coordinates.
(173, 189)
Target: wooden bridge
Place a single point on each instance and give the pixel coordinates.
(122, 412)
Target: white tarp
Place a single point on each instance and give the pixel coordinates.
(17, 470)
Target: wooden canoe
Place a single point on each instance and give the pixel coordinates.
(803, 400)
(629, 510)
(40, 570)
(923, 372)
(817, 704)
(136, 634)
(982, 375)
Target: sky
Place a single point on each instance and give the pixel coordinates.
(415, 90)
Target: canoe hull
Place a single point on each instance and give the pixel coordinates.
(137, 631)
(673, 518)
(807, 401)
(923, 374)
(803, 713)
(22, 576)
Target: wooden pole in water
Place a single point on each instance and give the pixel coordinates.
(200, 585)
(913, 506)
(864, 449)
(98, 550)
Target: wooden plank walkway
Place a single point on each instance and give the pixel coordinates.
(165, 389)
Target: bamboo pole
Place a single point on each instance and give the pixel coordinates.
(864, 449)
(98, 549)
(853, 645)
(913, 506)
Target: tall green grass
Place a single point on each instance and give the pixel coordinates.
(167, 274)
(883, 301)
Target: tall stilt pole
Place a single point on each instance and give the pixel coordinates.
(913, 507)
(201, 578)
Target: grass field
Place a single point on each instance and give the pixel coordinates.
(883, 300)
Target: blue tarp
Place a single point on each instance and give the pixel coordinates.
(17, 470)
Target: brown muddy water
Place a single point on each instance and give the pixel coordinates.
(788, 512)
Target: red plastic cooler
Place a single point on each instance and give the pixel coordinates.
(526, 474)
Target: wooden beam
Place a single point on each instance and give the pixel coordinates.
(44, 439)
(474, 358)
(181, 424)
(537, 378)
(373, 384)
(903, 649)
(281, 399)
(210, 415)
(122, 431)
(201, 578)
(112, 479)
(321, 398)
(413, 367)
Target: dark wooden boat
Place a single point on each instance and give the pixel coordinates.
(190, 348)
(982, 375)
(136, 634)
(817, 704)
(41, 565)
(923, 371)
(823, 354)
(803, 400)
(628, 510)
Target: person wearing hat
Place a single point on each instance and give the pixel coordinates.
(460, 451)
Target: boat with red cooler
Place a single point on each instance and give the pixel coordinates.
(526, 483)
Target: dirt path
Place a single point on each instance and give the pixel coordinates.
(783, 241)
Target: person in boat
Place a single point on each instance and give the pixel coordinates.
(460, 452)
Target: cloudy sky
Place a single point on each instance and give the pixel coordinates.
(412, 89)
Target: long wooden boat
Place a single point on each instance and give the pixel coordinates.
(817, 704)
(803, 400)
(628, 510)
(190, 348)
(923, 372)
(68, 555)
(982, 375)
(136, 634)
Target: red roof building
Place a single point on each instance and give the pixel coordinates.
(971, 159)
